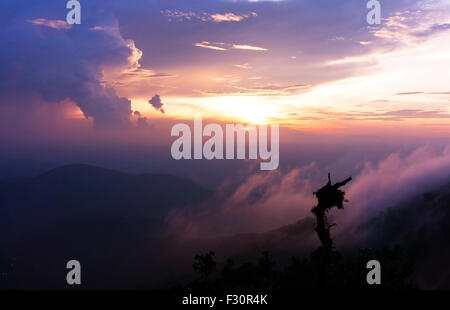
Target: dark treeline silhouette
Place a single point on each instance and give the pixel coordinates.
(325, 268)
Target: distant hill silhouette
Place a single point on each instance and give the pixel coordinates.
(23, 168)
(82, 189)
(82, 211)
(111, 221)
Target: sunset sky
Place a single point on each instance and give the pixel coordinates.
(131, 69)
(156, 133)
(306, 64)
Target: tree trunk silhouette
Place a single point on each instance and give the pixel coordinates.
(328, 197)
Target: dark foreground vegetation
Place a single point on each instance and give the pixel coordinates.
(325, 268)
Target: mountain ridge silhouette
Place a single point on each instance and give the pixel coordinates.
(129, 242)
(80, 188)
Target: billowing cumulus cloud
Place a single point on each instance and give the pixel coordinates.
(56, 61)
(141, 121)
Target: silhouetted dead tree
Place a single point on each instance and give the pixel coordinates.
(328, 197)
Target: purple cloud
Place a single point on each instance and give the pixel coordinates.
(156, 103)
(48, 58)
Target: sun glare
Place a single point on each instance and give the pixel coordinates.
(255, 117)
(238, 109)
(247, 109)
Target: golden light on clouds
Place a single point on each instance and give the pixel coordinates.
(221, 46)
(402, 85)
(243, 109)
